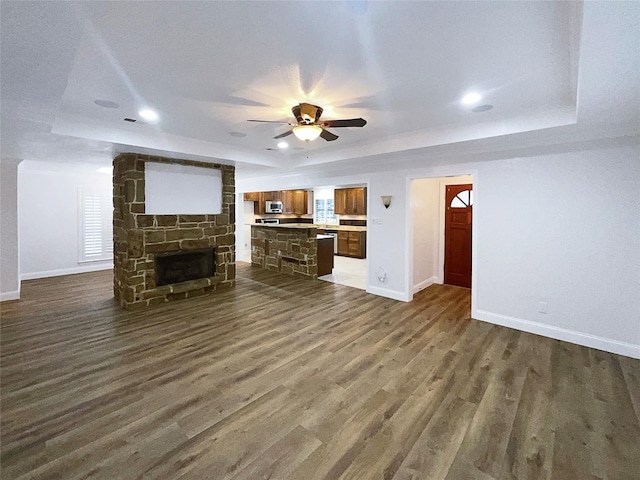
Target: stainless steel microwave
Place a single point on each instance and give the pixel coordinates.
(273, 207)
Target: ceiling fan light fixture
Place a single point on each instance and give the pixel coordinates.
(307, 133)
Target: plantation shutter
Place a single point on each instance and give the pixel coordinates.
(96, 231)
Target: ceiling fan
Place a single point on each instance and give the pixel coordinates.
(309, 126)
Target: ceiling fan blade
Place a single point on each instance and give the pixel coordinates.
(285, 134)
(270, 121)
(328, 136)
(352, 122)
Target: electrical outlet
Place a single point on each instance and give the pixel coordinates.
(542, 307)
(376, 221)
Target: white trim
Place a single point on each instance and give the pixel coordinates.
(93, 267)
(425, 283)
(393, 294)
(579, 338)
(6, 296)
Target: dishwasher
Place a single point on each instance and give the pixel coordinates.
(334, 234)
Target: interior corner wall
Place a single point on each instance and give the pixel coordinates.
(9, 251)
(425, 208)
(48, 217)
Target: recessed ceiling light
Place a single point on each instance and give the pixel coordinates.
(481, 108)
(237, 134)
(108, 170)
(470, 98)
(148, 114)
(283, 145)
(106, 103)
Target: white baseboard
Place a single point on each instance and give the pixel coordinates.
(424, 284)
(91, 267)
(5, 296)
(579, 338)
(384, 292)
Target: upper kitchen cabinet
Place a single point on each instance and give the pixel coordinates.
(350, 201)
(300, 202)
(295, 202)
(275, 196)
(252, 197)
(260, 199)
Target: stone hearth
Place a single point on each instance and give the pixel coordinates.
(139, 239)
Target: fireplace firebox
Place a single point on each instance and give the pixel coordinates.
(182, 266)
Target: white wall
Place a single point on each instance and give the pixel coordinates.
(425, 215)
(564, 230)
(48, 217)
(9, 257)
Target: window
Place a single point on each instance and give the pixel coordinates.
(96, 229)
(324, 212)
(463, 200)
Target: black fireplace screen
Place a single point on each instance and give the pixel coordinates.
(176, 267)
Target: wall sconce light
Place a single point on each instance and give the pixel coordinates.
(386, 200)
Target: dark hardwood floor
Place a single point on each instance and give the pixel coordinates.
(301, 379)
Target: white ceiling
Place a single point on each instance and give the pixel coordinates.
(549, 69)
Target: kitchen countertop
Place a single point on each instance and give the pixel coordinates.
(345, 228)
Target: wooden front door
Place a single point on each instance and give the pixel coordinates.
(457, 235)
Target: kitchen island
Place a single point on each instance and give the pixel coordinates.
(291, 249)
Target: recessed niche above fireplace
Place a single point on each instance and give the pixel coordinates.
(177, 267)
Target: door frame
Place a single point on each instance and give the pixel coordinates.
(477, 216)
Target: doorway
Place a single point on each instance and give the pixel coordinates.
(428, 207)
(457, 235)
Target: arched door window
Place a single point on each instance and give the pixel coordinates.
(463, 199)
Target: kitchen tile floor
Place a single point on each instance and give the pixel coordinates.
(351, 272)
(347, 271)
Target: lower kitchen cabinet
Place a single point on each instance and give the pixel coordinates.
(325, 256)
(352, 244)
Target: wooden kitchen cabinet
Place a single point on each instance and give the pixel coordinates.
(350, 201)
(343, 243)
(352, 244)
(295, 202)
(340, 201)
(360, 200)
(275, 196)
(325, 256)
(300, 202)
(252, 196)
(287, 201)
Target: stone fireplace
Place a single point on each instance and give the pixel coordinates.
(159, 258)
